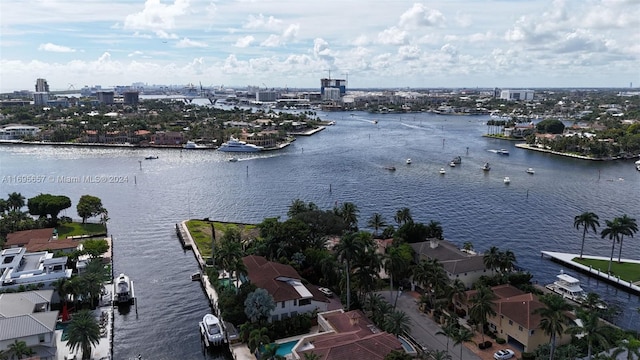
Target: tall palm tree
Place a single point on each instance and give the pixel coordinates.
(376, 222)
(591, 329)
(257, 337)
(587, 220)
(396, 263)
(397, 323)
(612, 231)
(434, 230)
(492, 258)
(482, 307)
(20, 349)
(554, 318)
(349, 214)
(403, 216)
(629, 228)
(447, 330)
(460, 336)
(629, 345)
(430, 275)
(84, 332)
(506, 259)
(15, 202)
(349, 247)
(366, 271)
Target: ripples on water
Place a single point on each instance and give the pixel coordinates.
(343, 163)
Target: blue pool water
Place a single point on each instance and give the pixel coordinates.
(286, 348)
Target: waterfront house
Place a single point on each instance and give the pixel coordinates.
(169, 138)
(346, 335)
(40, 240)
(465, 266)
(26, 316)
(18, 132)
(21, 269)
(515, 320)
(284, 284)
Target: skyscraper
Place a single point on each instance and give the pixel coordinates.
(41, 85)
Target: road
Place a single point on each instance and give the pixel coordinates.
(424, 330)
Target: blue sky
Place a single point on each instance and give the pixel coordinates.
(294, 43)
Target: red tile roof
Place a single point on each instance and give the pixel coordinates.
(22, 238)
(263, 274)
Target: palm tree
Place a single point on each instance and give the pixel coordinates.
(506, 259)
(349, 214)
(20, 348)
(439, 355)
(492, 258)
(84, 332)
(311, 356)
(397, 323)
(482, 307)
(629, 345)
(431, 276)
(376, 222)
(348, 249)
(629, 228)
(460, 336)
(403, 216)
(554, 318)
(591, 330)
(15, 202)
(270, 352)
(587, 220)
(612, 231)
(257, 337)
(447, 330)
(434, 230)
(395, 264)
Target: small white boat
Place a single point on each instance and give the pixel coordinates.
(442, 171)
(233, 159)
(486, 167)
(507, 180)
(408, 161)
(457, 160)
(212, 331)
(503, 152)
(530, 171)
(452, 164)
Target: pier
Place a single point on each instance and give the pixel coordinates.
(567, 260)
(184, 236)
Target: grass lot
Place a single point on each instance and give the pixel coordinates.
(74, 229)
(201, 233)
(626, 271)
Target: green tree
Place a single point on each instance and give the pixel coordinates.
(492, 258)
(84, 333)
(403, 216)
(554, 318)
(15, 201)
(439, 355)
(613, 231)
(44, 205)
(587, 220)
(629, 345)
(310, 356)
(89, 206)
(350, 246)
(434, 230)
(397, 323)
(258, 337)
(551, 126)
(482, 307)
(591, 330)
(95, 247)
(448, 331)
(430, 275)
(258, 305)
(397, 261)
(397, 355)
(460, 336)
(629, 228)
(376, 222)
(349, 214)
(20, 349)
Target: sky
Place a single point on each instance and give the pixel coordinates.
(294, 43)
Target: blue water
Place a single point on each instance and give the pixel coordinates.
(343, 163)
(285, 348)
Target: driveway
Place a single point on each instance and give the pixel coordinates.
(424, 330)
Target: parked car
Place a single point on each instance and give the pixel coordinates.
(503, 354)
(326, 292)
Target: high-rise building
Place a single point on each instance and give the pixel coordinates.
(340, 84)
(130, 97)
(41, 85)
(105, 97)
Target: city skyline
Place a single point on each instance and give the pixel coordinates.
(372, 44)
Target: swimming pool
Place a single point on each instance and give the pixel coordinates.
(63, 327)
(286, 348)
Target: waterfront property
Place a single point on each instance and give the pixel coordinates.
(19, 268)
(26, 316)
(465, 266)
(284, 284)
(40, 240)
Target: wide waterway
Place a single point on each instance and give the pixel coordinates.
(345, 162)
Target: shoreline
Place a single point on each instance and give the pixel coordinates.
(581, 157)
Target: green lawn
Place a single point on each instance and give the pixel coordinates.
(626, 271)
(201, 233)
(74, 229)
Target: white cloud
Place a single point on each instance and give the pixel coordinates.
(135, 53)
(419, 15)
(392, 36)
(55, 48)
(260, 22)
(271, 41)
(156, 17)
(188, 43)
(244, 41)
(291, 32)
(409, 52)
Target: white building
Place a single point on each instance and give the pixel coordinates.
(40, 98)
(284, 284)
(331, 94)
(19, 268)
(26, 316)
(17, 132)
(517, 95)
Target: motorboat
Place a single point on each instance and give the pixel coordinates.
(196, 276)
(457, 160)
(442, 171)
(408, 161)
(568, 287)
(530, 171)
(486, 167)
(123, 290)
(235, 145)
(390, 168)
(212, 331)
(192, 145)
(233, 159)
(503, 152)
(151, 158)
(452, 164)
(507, 180)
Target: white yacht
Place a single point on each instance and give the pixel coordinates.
(568, 287)
(503, 152)
(123, 293)
(408, 161)
(235, 145)
(191, 145)
(507, 180)
(530, 171)
(442, 171)
(452, 164)
(212, 331)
